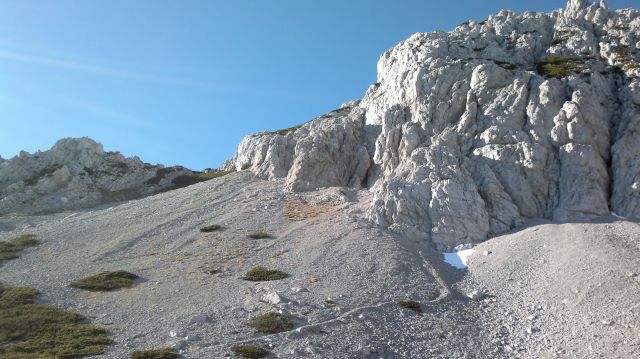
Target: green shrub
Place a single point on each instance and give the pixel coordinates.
(262, 274)
(410, 304)
(249, 351)
(10, 249)
(164, 353)
(259, 235)
(210, 228)
(560, 66)
(106, 281)
(29, 330)
(272, 323)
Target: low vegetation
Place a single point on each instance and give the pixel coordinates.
(164, 353)
(210, 228)
(249, 351)
(272, 323)
(11, 249)
(262, 274)
(259, 235)
(412, 305)
(29, 330)
(560, 66)
(106, 281)
(205, 176)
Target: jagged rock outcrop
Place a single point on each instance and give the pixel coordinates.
(468, 132)
(77, 173)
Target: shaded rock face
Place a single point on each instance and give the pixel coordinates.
(469, 132)
(77, 173)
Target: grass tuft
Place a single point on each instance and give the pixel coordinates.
(259, 235)
(412, 305)
(249, 351)
(560, 66)
(262, 274)
(10, 249)
(29, 330)
(106, 281)
(164, 353)
(210, 228)
(272, 323)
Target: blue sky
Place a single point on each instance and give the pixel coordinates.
(181, 82)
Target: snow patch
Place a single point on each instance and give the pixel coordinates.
(458, 259)
(618, 216)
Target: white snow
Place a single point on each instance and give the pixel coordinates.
(458, 259)
(618, 216)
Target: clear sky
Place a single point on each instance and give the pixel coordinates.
(181, 82)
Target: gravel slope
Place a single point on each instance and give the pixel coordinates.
(563, 290)
(322, 239)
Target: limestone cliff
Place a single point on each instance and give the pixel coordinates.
(468, 132)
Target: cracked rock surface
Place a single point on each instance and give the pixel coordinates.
(468, 133)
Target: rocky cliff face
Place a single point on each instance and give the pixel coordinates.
(77, 173)
(468, 132)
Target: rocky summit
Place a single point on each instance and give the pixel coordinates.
(78, 173)
(468, 133)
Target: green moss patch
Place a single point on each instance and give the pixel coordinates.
(249, 351)
(164, 353)
(29, 330)
(210, 228)
(262, 274)
(259, 235)
(106, 281)
(11, 249)
(412, 305)
(271, 323)
(560, 66)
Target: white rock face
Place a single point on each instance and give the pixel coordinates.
(467, 133)
(77, 173)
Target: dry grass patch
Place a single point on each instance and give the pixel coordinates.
(106, 281)
(164, 353)
(272, 323)
(249, 351)
(259, 235)
(561, 66)
(262, 274)
(11, 249)
(210, 228)
(29, 330)
(412, 305)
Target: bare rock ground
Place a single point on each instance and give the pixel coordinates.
(562, 290)
(346, 278)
